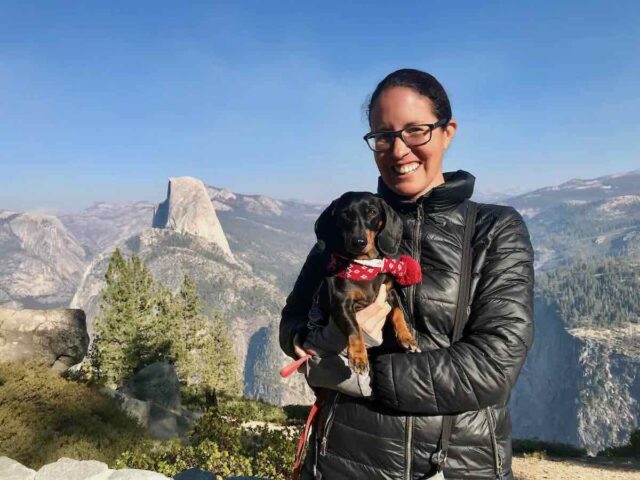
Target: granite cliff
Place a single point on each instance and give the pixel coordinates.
(188, 209)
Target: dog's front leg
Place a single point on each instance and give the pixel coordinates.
(403, 334)
(345, 318)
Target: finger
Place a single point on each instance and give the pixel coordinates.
(297, 349)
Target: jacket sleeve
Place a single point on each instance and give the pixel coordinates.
(294, 316)
(479, 370)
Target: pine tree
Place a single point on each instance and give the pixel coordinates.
(208, 360)
(141, 322)
(125, 304)
(220, 372)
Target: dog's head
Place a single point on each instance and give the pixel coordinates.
(360, 225)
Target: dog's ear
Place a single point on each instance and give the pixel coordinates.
(388, 239)
(325, 227)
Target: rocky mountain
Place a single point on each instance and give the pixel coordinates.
(42, 261)
(576, 192)
(272, 236)
(102, 225)
(225, 281)
(188, 209)
(579, 384)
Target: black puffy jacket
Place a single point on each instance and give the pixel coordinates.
(395, 434)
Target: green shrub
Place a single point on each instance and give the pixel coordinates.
(44, 417)
(540, 449)
(296, 413)
(247, 410)
(538, 455)
(219, 443)
(632, 449)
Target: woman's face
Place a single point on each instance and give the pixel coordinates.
(395, 109)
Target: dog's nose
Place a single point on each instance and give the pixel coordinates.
(359, 242)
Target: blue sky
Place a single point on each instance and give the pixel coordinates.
(106, 100)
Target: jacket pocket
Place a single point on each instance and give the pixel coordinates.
(497, 457)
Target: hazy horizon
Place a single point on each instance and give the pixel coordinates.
(486, 195)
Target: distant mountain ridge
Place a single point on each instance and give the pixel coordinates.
(577, 191)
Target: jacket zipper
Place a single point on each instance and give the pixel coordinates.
(494, 442)
(412, 296)
(465, 284)
(327, 426)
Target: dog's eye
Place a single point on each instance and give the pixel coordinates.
(372, 212)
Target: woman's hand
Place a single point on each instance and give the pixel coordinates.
(370, 319)
(301, 352)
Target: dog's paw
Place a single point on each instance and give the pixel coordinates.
(359, 364)
(408, 343)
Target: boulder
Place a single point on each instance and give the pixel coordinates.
(153, 397)
(12, 470)
(59, 336)
(69, 469)
(165, 424)
(138, 409)
(157, 383)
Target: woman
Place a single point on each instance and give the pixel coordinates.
(389, 425)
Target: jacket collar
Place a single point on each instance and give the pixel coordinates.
(457, 187)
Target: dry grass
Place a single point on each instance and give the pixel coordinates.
(530, 468)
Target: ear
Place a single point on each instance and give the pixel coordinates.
(388, 240)
(325, 227)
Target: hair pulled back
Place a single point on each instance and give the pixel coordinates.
(422, 82)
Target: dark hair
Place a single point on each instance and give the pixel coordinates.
(422, 82)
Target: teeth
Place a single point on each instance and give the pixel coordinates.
(410, 167)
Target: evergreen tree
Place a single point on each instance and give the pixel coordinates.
(220, 372)
(125, 303)
(208, 361)
(141, 322)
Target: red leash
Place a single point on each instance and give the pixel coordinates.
(297, 465)
(292, 367)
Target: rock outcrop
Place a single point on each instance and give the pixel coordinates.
(578, 386)
(188, 209)
(70, 469)
(59, 337)
(12, 470)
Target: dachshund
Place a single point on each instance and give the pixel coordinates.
(362, 233)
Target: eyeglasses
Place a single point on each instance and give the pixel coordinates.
(412, 136)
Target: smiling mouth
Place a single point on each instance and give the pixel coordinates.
(406, 169)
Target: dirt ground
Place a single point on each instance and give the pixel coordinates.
(574, 469)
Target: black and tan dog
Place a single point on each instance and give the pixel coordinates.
(362, 234)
